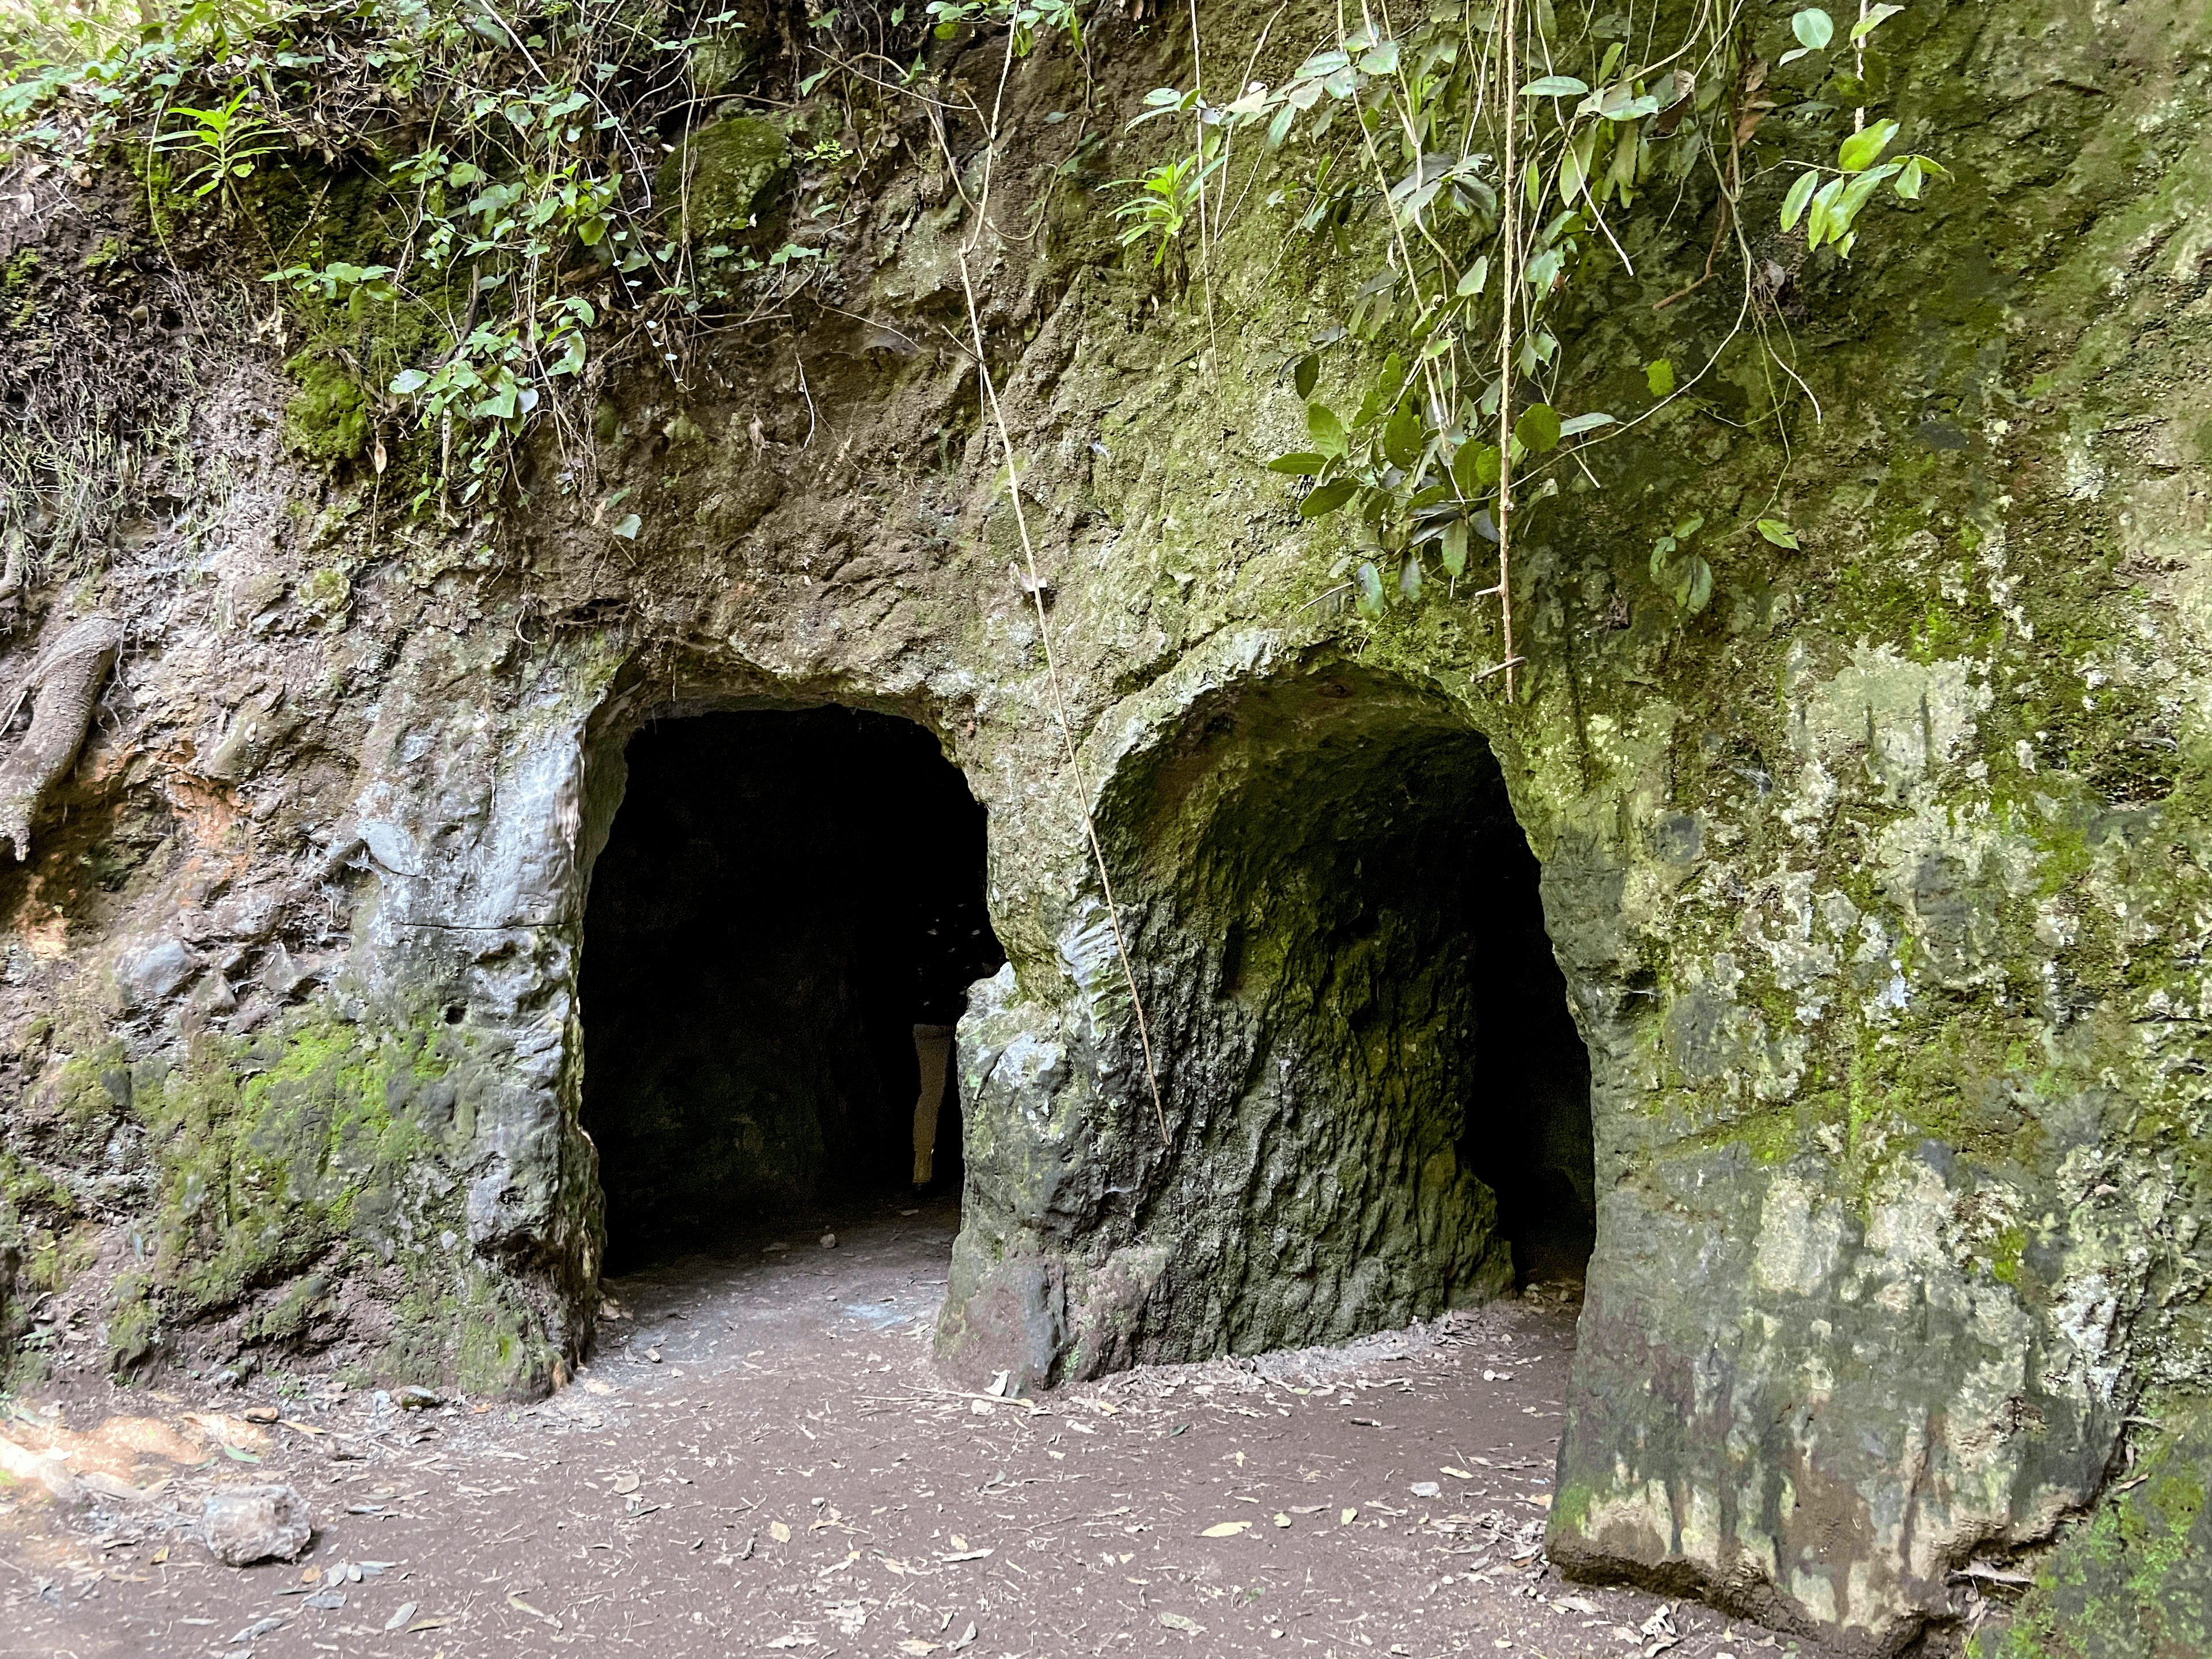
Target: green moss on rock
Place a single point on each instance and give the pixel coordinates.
(724, 175)
(273, 1150)
(2135, 1582)
(133, 1326)
(328, 420)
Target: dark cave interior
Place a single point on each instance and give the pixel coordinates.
(1347, 930)
(1528, 1134)
(783, 897)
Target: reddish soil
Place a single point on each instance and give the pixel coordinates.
(792, 1474)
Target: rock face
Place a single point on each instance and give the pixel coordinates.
(245, 1524)
(1876, 893)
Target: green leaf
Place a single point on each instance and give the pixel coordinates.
(1793, 205)
(1409, 577)
(1455, 547)
(1876, 15)
(1659, 376)
(1383, 60)
(1368, 582)
(1620, 102)
(1690, 526)
(409, 381)
(1474, 469)
(1555, 86)
(1857, 152)
(1575, 165)
(1698, 587)
(1819, 223)
(1908, 181)
(627, 527)
(1401, 438)
(1326, 498)
(1304, 462)
(230, 1450)
(1846, 208)
(1306, 374)
(1582, 423)
(1373, 406)
(1538, 428)
(1327, 431)
(1778, 532)
(1477, 275)
(1813, 28)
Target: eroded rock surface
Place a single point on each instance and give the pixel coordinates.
(1877, 889)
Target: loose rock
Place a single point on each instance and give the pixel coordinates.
(245, 1524)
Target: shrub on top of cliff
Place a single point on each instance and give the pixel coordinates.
(510, 223)
(1494, 203)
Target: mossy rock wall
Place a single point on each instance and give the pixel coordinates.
(1878, 888)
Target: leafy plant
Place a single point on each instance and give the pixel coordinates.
(1684, 576)
(516, 207)
(1489, 199)
(1834, 206)
(223, 143)
(1167, 198)
(1024, 17)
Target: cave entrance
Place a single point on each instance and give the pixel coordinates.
(779, 934)
(1353, 987)
(1527, 1133)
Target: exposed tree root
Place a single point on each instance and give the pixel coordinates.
(65, 680)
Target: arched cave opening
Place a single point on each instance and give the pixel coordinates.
(1357, 999)
(784, 898)
(1527, 1134)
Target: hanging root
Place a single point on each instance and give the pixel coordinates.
(11, 569)
(65, 680)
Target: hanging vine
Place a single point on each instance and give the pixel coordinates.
(1490, 163)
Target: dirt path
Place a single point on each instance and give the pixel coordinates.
(762, 1459)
